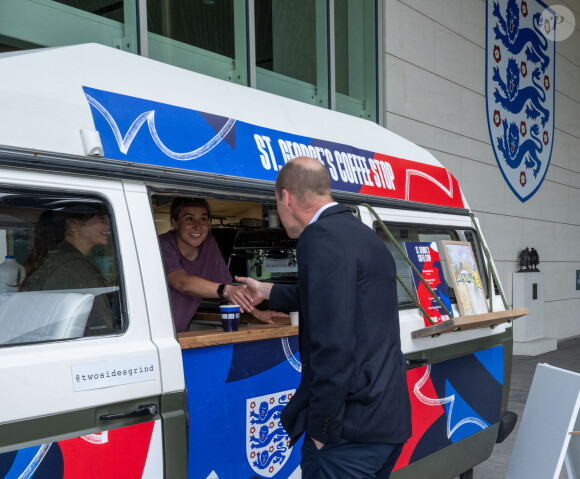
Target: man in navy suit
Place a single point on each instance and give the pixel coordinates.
(352, 401)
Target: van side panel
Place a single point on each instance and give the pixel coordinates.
(447, 403)
(81, 456)
(236, 393)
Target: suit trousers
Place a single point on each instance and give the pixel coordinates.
(348, 460)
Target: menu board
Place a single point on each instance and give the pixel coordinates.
(425, 256)
(462, 266)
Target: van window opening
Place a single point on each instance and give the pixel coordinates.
(250, 238)
(59, 268)
(250, 246)
(420, 233)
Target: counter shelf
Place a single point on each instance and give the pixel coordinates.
(250, 330)
(259, 331)
(476, 321)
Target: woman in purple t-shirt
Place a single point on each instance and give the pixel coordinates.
(194, 266)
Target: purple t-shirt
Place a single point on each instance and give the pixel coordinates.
(209, 265)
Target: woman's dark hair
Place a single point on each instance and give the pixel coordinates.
(179, 203)
(49, 231)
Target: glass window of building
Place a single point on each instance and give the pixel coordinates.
(112, 9)
(355, 57)
(291, 49)
(207, 36)
(48, 23)
(321, 52)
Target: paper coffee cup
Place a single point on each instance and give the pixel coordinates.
(273, 219)
(294, 318)
(230, 316)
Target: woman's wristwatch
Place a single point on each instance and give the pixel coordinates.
(221, 290)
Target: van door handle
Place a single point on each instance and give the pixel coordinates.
(416, 363)
(141, 411)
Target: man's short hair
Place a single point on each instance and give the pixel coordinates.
(306, 181)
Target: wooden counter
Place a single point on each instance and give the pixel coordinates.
(217, 337)
(476, 321)
(245, 318)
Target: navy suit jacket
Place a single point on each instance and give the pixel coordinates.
(353, 383)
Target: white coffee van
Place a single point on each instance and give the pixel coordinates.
(89, 129)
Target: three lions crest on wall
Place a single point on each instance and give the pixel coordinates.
(520, 57)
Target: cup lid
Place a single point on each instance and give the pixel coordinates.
(229, 307)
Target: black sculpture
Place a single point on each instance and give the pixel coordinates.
(524, 260)
(534, 260)
(529, 260)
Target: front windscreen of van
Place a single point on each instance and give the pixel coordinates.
(58, 268)
(410, 235)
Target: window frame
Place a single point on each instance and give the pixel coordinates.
(69, 25)
(73, 26)
(477, 250)
(120, 305)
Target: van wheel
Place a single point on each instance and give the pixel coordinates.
(466, 475)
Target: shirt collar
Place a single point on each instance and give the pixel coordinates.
(319, 212)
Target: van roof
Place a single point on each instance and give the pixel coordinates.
(49, 95)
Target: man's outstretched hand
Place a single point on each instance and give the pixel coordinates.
(259, 291)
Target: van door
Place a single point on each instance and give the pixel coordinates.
(80, 374)
(459, 381)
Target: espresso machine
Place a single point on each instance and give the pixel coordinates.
(264, 254)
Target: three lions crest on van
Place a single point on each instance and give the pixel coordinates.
(267, 444)
(520, 86)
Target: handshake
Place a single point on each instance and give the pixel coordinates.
(250, 294)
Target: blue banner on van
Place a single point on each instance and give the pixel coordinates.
(147, 132)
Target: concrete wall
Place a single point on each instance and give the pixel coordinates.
(435, 96)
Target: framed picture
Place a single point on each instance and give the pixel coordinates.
(465, 278)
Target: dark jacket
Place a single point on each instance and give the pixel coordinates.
(353, 382)
(67, 268)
